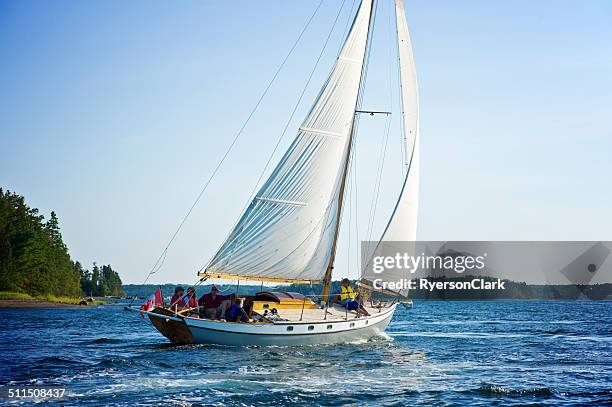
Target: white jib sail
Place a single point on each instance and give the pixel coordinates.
(402, 225)
(288, 228)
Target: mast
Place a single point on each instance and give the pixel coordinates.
(330, 266)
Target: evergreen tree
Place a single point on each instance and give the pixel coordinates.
(96, 281)
(34, 258)
(84, 278)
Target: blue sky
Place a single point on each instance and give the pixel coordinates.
(114, 113)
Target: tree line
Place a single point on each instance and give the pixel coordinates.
(34, 258)
(100, 281)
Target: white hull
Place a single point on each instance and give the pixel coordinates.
(290, 333)
(286, 333)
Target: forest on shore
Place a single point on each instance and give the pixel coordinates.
(35, 260)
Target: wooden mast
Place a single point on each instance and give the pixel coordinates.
(332, 258)
(330, 266)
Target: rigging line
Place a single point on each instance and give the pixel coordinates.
(356, 207)
(354, 157)
(288, 123)
(377, 192)
(382, 153)
(357, 120)
(388, 124)
(350, 217)
(394, 78)
(400, 101)
(366, 63)
(390, 72)
(376, 179)
(157, 266)
(351, 201)
(346, 28)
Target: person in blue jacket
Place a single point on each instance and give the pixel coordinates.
(236, 313)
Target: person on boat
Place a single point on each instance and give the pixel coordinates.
(214, 304)
(177, 299)
(190, 298)
(236, 313)
(348, 298)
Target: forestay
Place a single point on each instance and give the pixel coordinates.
(288, 229)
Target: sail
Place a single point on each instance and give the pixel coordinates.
(287, 231)
(402, 225)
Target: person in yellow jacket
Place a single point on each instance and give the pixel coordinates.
(348, 298)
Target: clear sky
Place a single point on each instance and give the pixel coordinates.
(114, 113)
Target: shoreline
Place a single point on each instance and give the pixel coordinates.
(34, 303)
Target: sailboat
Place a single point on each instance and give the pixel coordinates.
(290, 230)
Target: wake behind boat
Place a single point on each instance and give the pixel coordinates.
(290, 230)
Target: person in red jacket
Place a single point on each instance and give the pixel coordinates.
(177, 298)
(214, 304)
(190, 299)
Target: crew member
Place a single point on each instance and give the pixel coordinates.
(236, 313)
(177, 299)
(190, 298)
(348, 298)
(214, 304)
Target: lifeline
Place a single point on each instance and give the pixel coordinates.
(424, 284)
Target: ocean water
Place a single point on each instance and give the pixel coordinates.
(441, 353)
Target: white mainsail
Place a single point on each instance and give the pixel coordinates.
(287, 231)
(402, 225)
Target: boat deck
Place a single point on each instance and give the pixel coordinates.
(334, 313)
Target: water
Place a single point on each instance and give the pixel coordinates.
(443, 353)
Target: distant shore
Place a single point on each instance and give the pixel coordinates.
(21, 300)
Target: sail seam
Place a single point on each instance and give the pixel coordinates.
(280, 201)
(352, 60)
(321, 132)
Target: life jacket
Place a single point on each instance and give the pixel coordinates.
(347, 293)
(178, 301)
(231, 314)
(190, 302)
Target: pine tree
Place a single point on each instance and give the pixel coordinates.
(96, 281)
(34, 258)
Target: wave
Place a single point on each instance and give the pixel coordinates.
(105, 340)
(55, 361)
(494, 390)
